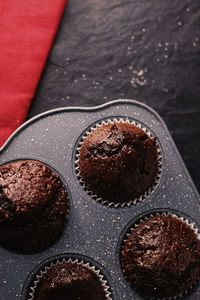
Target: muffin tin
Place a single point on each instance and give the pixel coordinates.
(94, 231)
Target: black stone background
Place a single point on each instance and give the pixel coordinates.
(134, 49)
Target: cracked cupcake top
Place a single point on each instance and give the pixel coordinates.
(161, 257)
(33, 204)
(118, 162)
(69, 281)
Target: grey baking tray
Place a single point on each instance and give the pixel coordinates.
(94, 231)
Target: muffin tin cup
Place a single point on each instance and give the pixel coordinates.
(159, 159)
(30, 293)
(180, 217)
(93, 231)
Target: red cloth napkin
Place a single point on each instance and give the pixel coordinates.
(27, 30)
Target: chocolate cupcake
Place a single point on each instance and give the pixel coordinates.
(70, 280)
(161, 257)
(118, 162)
(33, 205)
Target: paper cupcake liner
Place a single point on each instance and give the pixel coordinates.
(191, 225)
(77, 261)
(137, 200)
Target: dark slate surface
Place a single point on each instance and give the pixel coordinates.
(134, 49)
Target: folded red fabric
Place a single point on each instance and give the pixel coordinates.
(27, 30)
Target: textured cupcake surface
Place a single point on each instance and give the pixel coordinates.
(161, 257)
(69, 281)
(33, 204)
(118, 162)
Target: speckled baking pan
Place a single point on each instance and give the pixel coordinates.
(94, 230)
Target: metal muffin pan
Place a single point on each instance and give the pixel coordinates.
(93, 230)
